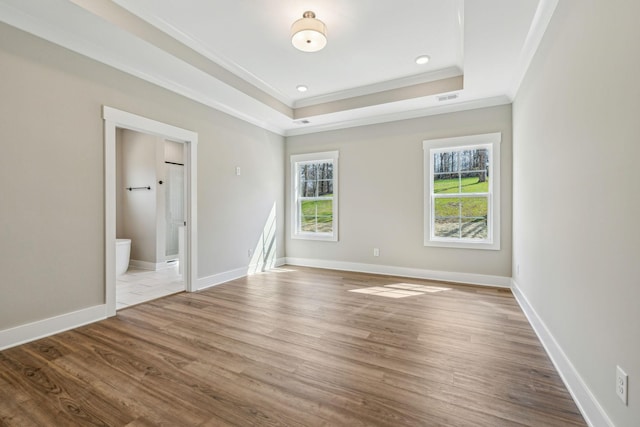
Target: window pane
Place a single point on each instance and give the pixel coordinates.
(474, 182)
(325, 188)
(467, 160)
(445, 172)
(315, 179)
(316, 216)
(464, 218)
(446, 207)
(474, 160)
(475, 164)
(474, 207)
(474, 213)
(307, 188)
(325, 170)
(474, 229)
(307, 172)
(446, 183)
(307, 184)
(447, 217)
(447, 227)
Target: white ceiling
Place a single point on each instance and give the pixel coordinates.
(366, 45)
(236, 55)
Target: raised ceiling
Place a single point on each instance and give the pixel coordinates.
(236, 55)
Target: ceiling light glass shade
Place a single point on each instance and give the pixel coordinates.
(309, 34)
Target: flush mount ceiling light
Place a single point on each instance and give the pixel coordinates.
(309, 34)
(422, 59)
(302, 88)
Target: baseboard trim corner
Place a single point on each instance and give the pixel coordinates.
(220, 278)
(416, 273)
(226, 276)
(151, 266)
(591, 410)
(46, 327)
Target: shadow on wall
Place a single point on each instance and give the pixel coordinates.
(264, 254)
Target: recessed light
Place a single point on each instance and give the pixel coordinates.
(422, 59)
(302, 88)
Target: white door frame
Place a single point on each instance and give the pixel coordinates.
(113, 119)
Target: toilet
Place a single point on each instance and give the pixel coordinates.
(123, 251)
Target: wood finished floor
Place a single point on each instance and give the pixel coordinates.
(293, 347)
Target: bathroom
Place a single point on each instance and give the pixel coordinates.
(150, 177)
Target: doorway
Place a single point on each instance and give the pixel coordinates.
(115, 121)
(150, 217)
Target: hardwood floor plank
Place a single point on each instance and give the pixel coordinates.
(129, 394)
(56, 393)
(294, 347)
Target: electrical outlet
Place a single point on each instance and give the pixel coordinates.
(621, 384)
(249, 253)
(518, 269)
(376, 252)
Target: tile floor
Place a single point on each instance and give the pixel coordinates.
(137, 286)
(399, 290)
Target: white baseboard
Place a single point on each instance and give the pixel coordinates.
(264, 266)
(417, 273)
(220, 278)
(591, 410)
(151, 266)
(226, 276)
(43, 328)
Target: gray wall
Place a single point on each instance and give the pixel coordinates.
(381, 193)
(52, 176)
(576, 204)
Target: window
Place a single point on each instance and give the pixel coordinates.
(462, 192)
(315, 196)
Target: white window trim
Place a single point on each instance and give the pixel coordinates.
(493, 221)
(314, 157)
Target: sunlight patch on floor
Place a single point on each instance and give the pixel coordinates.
(399, 290)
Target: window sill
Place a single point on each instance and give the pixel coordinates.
(463, 245)
(315, 236)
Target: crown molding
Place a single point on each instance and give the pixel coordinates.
(401, 115)
(159, 68)
(416, 79)
(72, 26)
(201, 47)
(539, 25)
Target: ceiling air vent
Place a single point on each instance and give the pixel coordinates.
(448, 97)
